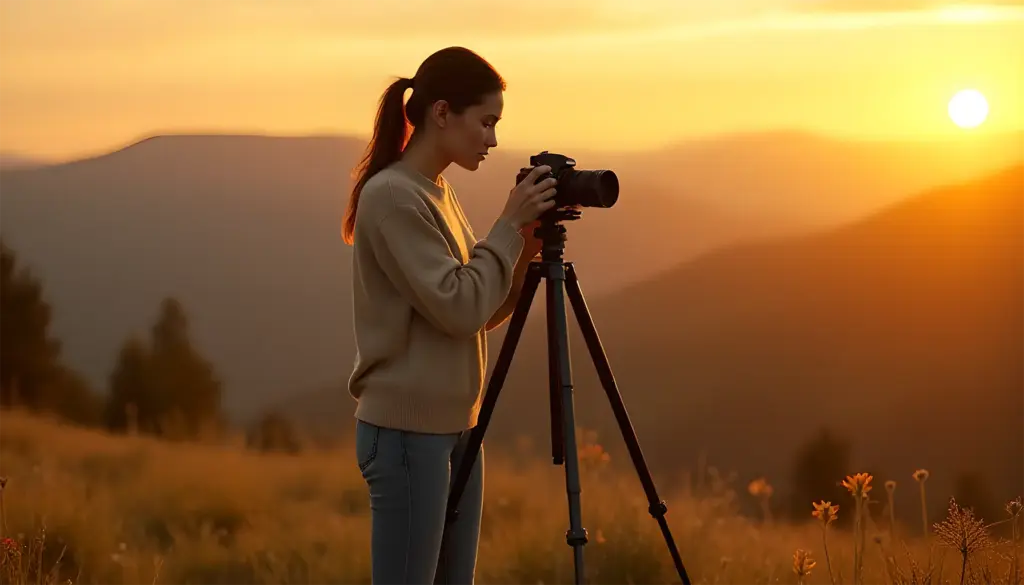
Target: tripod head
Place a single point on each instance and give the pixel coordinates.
(551, 233)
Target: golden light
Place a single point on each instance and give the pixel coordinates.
(968, 108)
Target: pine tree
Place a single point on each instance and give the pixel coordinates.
(133, 404)
(168, 388)
(185, 377)
(28, 355)
(820, 465)
(274, 432)
(972, 490)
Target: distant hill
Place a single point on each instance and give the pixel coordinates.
(903, 330)
(245, 231)
(827, 181)
(12, 160)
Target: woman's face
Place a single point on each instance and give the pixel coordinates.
(467, 137)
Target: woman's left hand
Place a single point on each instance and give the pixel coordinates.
(533, 243)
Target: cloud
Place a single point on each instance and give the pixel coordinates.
(848, 6)
(135, 24)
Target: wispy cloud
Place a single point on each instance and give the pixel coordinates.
(897, 5)
(72, 28)
(50, 25)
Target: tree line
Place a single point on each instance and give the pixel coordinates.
(160, 385)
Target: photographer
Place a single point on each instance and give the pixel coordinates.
(425, 292)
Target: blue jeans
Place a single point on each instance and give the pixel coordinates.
(409, 476)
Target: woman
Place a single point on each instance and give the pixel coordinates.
(425, 293)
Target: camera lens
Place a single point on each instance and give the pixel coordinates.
(590, 188)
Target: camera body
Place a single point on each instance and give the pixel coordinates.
(599, 188)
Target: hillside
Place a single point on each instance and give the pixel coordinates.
(245, 231)
(135, 510)
(902, 331)
(13, 160)
(872, 174)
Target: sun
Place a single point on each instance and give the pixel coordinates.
(968, 108)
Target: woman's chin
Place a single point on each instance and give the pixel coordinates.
(471, 164)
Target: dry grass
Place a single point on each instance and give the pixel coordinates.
(132, 510)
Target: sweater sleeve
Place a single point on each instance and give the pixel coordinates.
(457, 298)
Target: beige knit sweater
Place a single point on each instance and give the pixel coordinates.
(424, 292)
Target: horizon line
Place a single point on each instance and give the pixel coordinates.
(33, 160)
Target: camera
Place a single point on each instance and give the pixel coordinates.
(598, 188)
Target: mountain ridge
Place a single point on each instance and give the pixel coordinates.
(907, 321)
(162, 215)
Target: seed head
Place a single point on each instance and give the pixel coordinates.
(826, 512)
(890, 486)
(1013, 507)
(802, 562)
(921, 475)
(858, 484)
(962, 531)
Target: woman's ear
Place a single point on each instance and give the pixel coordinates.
(439, 113)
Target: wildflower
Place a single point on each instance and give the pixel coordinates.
(760, 487)
(920, 476)
(858, 484)
(802, 563)
(762, 490)
(10, 553)
(890, 489)
(826, 512)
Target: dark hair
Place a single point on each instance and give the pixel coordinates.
(456, 75)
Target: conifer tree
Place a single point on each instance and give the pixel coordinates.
(167, 387)
(28, 354)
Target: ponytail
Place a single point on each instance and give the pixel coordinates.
(389, 137)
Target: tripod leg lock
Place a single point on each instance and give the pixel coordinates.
(658, 510)
(576, 538)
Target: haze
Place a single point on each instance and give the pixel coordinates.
(81, 76)
(812, 272)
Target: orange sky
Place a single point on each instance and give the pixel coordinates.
(81, 76)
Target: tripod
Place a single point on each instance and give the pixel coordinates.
(561, 281)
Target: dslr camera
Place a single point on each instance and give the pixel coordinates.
(598, 188)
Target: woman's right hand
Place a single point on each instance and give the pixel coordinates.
(529, 199)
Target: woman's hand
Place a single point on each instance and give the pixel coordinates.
(533, 244)
(529, 199)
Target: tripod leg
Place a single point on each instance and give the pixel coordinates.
(576, 536)
(501, 367)
(657, 507)
(554, 393)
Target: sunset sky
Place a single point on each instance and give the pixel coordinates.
(83, 76)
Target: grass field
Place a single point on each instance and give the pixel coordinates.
(132, 510)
